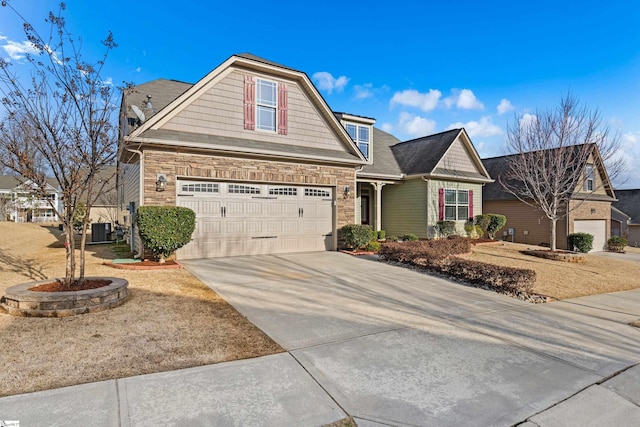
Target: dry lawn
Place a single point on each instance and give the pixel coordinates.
(563, 280)
(170, 321)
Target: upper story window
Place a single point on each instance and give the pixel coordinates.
(589, 178)
(360, 134)
(266, 105)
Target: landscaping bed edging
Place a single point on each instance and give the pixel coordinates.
(20, 301)
(565, 256)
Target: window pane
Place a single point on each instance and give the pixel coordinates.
(365, 149)
(450, 213)
(266, 93)
(463, 212)
(450, 197)
(266, 118)
(363, 134)
(463, 197)
(351, 130)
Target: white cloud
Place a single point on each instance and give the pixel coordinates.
(387, 127)
(138, 69)
(16, 50)
(482, 128)
(364, 91)
(108, 81)
(415, 125)
(463, 99)
(325, 81)
(630, 154)
(527, 120)
(504, 107)
(412, 98)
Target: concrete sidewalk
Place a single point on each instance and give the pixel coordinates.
(386, 345)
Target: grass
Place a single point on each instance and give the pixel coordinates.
(562, 280)
(170, 321)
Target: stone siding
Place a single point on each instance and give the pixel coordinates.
(188, 165)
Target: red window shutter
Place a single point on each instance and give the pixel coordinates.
(470, 203)
(283, 107)
(249, 103)
(441, 204)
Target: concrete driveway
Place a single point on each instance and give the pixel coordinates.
(396, 347)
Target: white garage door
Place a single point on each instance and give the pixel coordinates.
(246, 219)
(596, 227)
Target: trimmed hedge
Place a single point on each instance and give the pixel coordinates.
(446, 228)
(372, 246)
(581, 242)
(616, 243)
(164, 229)
(435, 255)
(409, 237)
(356, 236)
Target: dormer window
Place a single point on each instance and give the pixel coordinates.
(360, 135)
(589, 178)
(266, 105)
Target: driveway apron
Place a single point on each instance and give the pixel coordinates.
(394, 346)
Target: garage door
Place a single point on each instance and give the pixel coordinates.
(598, 228)
(246, 219)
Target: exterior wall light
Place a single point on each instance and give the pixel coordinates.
(161, 182)
(347, 190)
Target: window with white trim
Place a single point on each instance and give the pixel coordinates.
(201, 187)
(361, 136)
(242, 189)
(266, 105)
(314, 192)
(283, 191)
(589, 178)
(456, 205)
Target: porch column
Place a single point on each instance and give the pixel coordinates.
(378, 187)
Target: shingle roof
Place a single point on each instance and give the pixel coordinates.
(162, 92)
(384, 162)
(421, 155)
(629, 203)
(8, 182)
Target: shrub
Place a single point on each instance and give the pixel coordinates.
(381, 234)
(372, 246)
(356, 235)
(482, 221)
(434, 255)
(616, 243)
(473, 230)
(581, 242)
(164, 229)
(392, 239)
(496, 222)
(446, 228)
(409, 237)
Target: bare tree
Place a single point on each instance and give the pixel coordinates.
(59, 122)
(552, 149)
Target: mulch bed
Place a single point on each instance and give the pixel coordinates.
(58, 286)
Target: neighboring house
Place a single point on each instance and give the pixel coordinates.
(105, 208)
(629, 204)
(19, 202)
(256, 152)
(590, 207)
(412, 185)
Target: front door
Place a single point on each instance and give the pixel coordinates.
(365, 214)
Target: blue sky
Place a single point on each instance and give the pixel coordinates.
(416, 67)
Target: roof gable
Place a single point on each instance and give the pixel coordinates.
(184, 107)
(445, 155)
(629, 203)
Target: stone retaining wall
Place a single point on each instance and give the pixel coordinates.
(20, 301)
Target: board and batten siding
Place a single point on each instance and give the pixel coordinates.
(435, 185)
(457, 158)
(220, 111)
(404, 208)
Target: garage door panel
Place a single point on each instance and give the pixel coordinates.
(258, 219)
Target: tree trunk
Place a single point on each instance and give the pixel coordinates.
(552, 244)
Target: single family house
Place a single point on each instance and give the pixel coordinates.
(19, 202)
(589, 209)
(268, 167)
(627, 222)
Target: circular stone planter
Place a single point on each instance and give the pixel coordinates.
(565, 256)
(20, 301)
